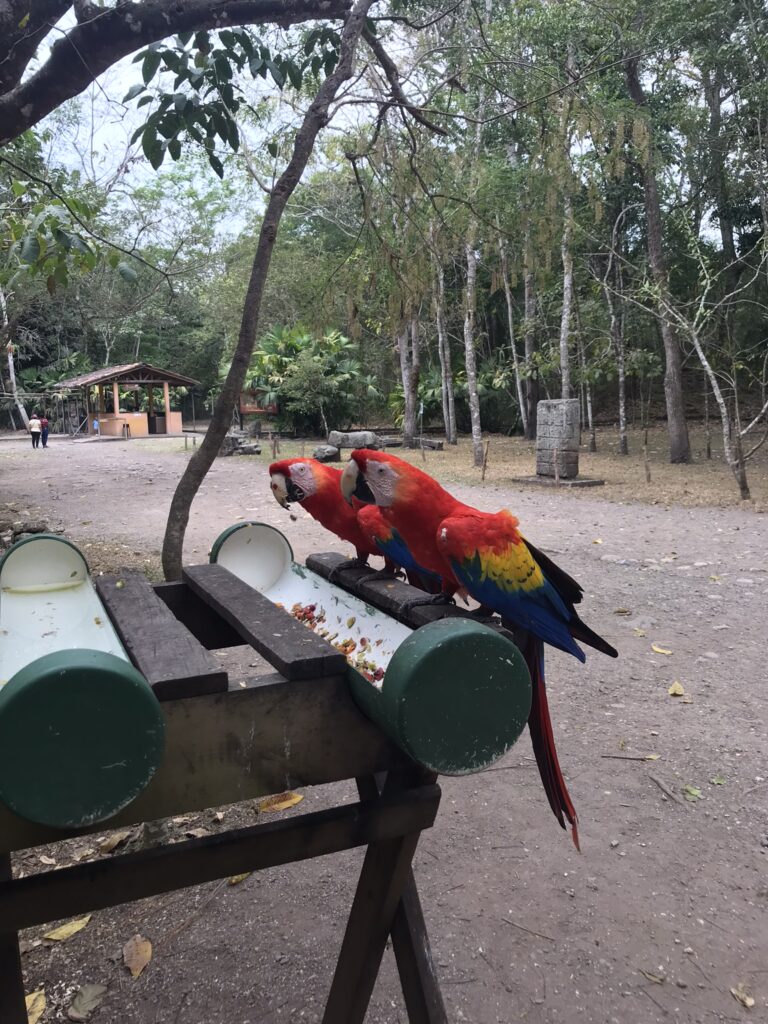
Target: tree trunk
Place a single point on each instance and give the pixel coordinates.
(314, 120)
(511, 326)
(565, 316)
(5, 334)
(679, 445)
(470, 353)
(408, 350)
(531, 373)
(444, 352)
(619, 348)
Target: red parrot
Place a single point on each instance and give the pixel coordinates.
(485, 553)
(316, 487)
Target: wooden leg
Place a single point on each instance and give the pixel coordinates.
(410, 940)
(13, 1008)
(385, 870)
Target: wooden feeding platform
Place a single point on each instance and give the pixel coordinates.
(313, 719)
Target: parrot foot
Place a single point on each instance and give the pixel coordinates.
(379, 576)
(436, 599)
(350, 563)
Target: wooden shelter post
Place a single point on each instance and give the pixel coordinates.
(100, 389)
(115, 397)
(167, 402)
(150, 400)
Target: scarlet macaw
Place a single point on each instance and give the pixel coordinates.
(485, 554)
(315, 486)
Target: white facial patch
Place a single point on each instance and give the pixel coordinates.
(279, 490)
(303, 477)
(382, 479)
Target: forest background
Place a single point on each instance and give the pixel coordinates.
(510, 201)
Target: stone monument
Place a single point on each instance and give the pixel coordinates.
(558, 432)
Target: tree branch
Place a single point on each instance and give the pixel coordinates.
(390, 70)
(106, 34)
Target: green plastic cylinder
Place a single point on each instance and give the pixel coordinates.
(455, 697)
(81, 735)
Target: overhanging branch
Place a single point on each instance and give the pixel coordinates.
(103, 35)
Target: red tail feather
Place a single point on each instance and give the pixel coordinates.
(544, 742)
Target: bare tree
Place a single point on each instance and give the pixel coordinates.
(314, 120)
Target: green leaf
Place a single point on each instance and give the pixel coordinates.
(718, 780)
(126, 271)
(24, 20)
(150, 66)
(113, 259)
(277, 75)
(272, 148)
(179, 101)
(144, 101)
(294, 74)
(216, 164)
(153, 151)
(256, 65)
(30, 249)
(184, 37)
(174, 148)
(133, 92)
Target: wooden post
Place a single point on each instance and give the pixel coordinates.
(101, 398)
(12, 1005)
(167, 403)
(116, 397)
(150, 400)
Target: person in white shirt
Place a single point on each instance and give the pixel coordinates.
(35, 429)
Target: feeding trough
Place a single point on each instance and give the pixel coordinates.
(81, 733)
(454, 694)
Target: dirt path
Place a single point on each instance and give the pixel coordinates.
(661, 915)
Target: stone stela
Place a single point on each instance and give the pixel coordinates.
(558, 434)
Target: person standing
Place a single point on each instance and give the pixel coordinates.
(44, 430)
(35, 429)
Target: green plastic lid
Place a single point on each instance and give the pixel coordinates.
(81, 735)
(456, 696)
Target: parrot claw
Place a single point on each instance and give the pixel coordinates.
(350, 563)
(379, 576)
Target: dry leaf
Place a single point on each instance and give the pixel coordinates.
(660, 650)
(108, 844)
(137, 952)
(597, 540)
(237, 879)
(47, 860)
(88, 998)
(218, 816)
(639, 632)
(740, 993)
(692, 793)
(652, 757)
(197, 833)
(622, 611)
(717, 780)
(657, 979)
(280, 802)
(66, 931)
(676, 689)
(36, 1005)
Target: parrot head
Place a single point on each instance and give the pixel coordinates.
(292, 480)
(375, 478)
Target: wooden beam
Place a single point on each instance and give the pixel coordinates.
(260, 738)
(287, 645)
(169, 657)
(50, 895)
(199, 618)
(12, 1005)
(167, 403)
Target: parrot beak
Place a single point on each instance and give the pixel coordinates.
(285, 490)
(354, 485)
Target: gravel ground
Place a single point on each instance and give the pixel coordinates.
(663, 914)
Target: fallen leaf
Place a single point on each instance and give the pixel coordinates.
(639, 632)
(280, 802)
(47, 860)
(137, 952)
(714, 579)
(657, 979)
(740, 993)
(676, 689)
(36, 1005)
(119, 585)
(717, 780)
(108, 844)
(597, 540)
(88, 998)
(686, 700)
(66, 931)
(218, 816)
(652, 757)
(197, 833)
(237, 879)
(660, 650)
(692, 793)
(622, 744)
(622, 611)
